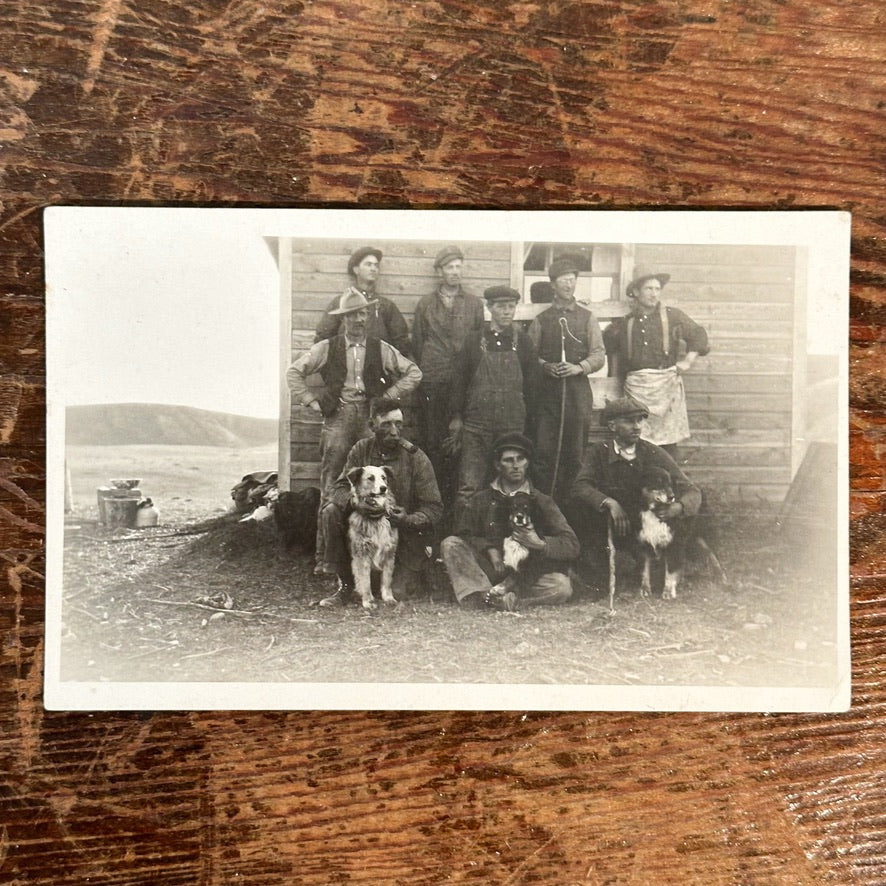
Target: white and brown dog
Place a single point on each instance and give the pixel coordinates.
(372, 540)
(659, 540)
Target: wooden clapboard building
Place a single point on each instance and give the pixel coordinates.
(746, 398)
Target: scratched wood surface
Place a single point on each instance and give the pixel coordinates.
(608, 103)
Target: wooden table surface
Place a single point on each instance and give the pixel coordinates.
(706, 104)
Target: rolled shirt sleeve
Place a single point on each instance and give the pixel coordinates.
(694, 335)
(596, 351)
(407, 373)
(313, 360)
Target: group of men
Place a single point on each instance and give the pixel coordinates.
(501, 411)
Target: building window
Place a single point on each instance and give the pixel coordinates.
(600, 274)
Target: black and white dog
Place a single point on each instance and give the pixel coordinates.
(659, 539)
(514, 553)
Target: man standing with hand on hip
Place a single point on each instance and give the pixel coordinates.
(644, 351)
(355, 368)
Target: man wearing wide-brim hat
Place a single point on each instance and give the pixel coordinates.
(609, 483)
(649, 349)
(385, 320)
(494, 377)
(474, 556)
(570, 347)
(355, 367)
(442, 321)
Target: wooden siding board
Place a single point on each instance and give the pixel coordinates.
(306, 249)
(664, 255)
(739, 396)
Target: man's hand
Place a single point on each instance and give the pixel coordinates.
(685, 364)
(397, 515)
(563, 370)
(451, 444)
(669, 511)
(529, 538)
(403, 520)
(619, 517)
(315, 405)
(498, 564)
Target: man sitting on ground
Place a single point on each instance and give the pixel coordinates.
(473, 557)
(418, 507)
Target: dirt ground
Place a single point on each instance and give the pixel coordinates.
(147, 604)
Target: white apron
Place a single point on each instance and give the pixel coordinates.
(661, 392)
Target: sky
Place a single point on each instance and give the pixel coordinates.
(181, 306)
(165, 308)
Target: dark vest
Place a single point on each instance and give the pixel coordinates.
(335, 371)
(549, 343)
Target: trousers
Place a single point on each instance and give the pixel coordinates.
(472, 574)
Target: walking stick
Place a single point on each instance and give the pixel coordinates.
(610, 549)
(562, 404)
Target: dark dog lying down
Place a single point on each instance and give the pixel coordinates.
(372, 540)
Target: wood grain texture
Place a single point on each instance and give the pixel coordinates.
(608, 103)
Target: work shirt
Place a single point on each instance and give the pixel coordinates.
(397, 366)
(608, 474)
(647, 347)
(483, 524)
(385, 321)
(596, 355)
(438, 332)
(414, 485)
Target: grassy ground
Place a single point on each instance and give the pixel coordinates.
(138, 605)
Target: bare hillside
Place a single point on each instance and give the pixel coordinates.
(124, 424)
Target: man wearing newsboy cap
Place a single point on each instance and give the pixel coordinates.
(493, 380)
(442, 321)
(385, 320)
(473, 555)
(649, 350)
(609, 483)
(355, 367)
(570, 347)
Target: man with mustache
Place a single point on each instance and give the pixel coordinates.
(355, 368)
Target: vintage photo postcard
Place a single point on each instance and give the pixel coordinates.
(332, 459)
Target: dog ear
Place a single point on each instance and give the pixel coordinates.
(389, 475)
(354, 476)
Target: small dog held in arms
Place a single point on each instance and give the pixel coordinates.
(658, 539)
(372, 540)
(514, 553)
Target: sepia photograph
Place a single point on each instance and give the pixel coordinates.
(416, 459)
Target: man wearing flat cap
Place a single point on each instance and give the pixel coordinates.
(355, 367)
(609, 483)
(442, 321)
(385, 320)
(473, 555)
(493, 380)
(649, 350)
(570, 347)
